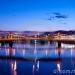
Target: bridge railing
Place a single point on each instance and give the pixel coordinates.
(64, 38)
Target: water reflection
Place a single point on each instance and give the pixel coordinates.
(13, 51)
(58, 51)
(13, 67)
(36, 63)
(59, 66)
(72, 59)
(46, 51)
(71, 51)
(10, 51)
(34, 52)
(7, 51)
(23, 51)
(35, 67)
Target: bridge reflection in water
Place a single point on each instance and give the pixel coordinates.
(34, 51)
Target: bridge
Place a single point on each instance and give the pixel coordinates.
(59, 38)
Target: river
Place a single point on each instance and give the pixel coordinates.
(36, 59)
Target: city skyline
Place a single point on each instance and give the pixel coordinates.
(39, 15)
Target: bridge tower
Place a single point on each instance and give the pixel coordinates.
(10, 36)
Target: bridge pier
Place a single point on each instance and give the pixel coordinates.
(59, 44)
(10, 44)
(2, 44)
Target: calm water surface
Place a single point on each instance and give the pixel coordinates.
(36, 60)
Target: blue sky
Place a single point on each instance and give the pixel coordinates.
(37, 15)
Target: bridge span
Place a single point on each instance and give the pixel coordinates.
(69, 39)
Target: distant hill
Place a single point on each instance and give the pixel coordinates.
(30, 33)
(65, 32)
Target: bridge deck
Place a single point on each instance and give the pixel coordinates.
(64, 40)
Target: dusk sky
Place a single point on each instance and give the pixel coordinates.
(37, 15)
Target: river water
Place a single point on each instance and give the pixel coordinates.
(36, 59)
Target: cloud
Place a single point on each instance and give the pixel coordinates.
(57, 15)
(50, 18)
(60, 16)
